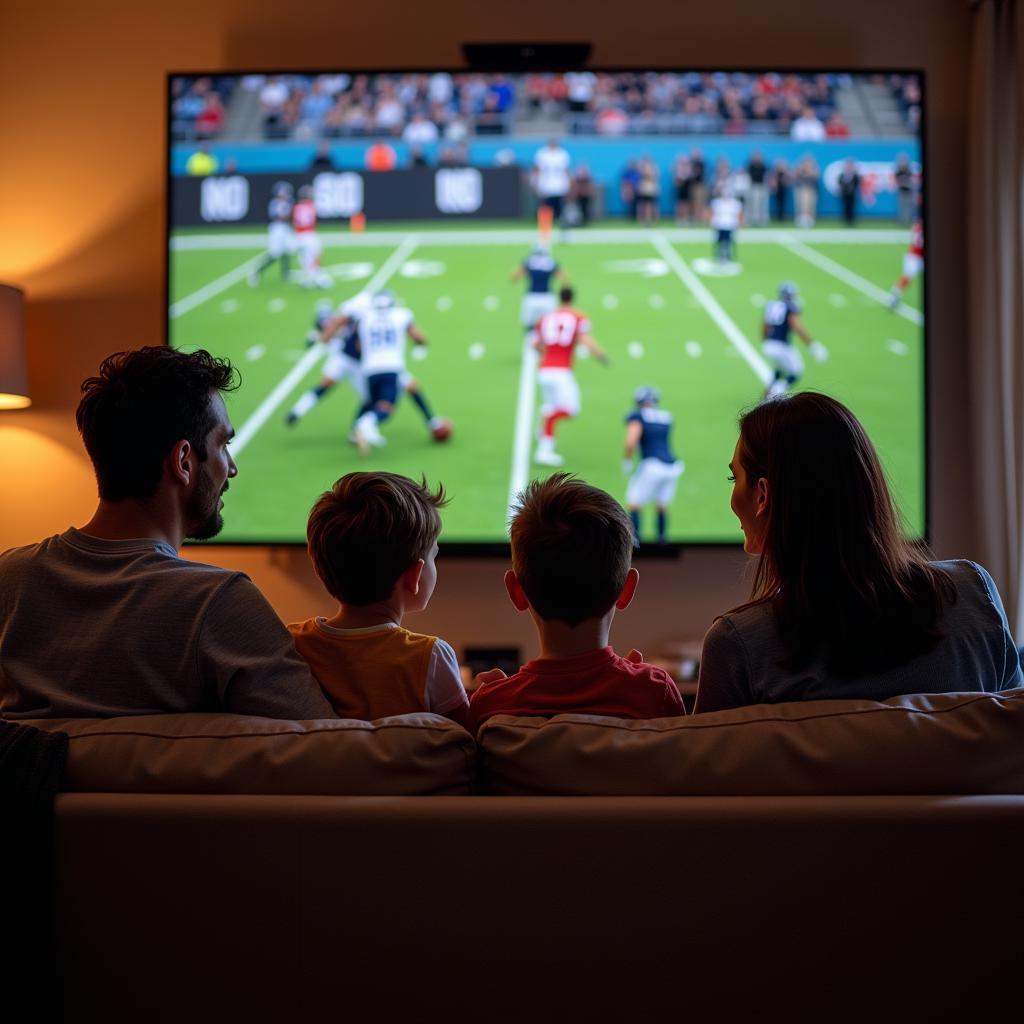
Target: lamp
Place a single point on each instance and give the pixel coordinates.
(13, 374)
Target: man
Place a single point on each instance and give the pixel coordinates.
(781, 316)
(108, 620)
(551, 179)
(558, 333)
(280, 238)
(757, 193)
(307, 241)
(725, 216)
(649, 429)
(849, 185)
(538, 269)
(382, 333)
(913, 263)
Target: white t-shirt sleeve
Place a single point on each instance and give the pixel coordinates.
(444, 691)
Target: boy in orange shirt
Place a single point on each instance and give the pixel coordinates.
(571, 551)
(372, 539)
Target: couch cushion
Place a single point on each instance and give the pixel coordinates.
(924, 744)
(407, 755)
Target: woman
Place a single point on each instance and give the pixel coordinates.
(842, 605)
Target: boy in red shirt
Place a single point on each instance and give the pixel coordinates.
(571, 550)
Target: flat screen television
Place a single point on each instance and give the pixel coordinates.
(700, 217)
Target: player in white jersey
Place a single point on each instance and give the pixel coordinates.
(725, 215)
(550, 177)
(280, 237)
(339, 331)
(382, 334)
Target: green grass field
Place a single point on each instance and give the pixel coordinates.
(656, 307)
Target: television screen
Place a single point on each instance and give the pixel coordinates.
(484, 278)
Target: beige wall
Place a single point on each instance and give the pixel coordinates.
(82, 211)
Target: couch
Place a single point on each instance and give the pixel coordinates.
(830, 860)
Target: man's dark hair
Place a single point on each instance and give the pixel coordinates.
(368, 529)
(142, 403)
(572, 545)
(565, 294)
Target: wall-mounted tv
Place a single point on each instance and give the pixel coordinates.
(724, 234)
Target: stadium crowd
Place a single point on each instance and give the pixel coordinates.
(423, 108)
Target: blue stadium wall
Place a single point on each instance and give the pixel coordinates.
(606, 158)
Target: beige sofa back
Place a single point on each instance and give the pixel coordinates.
(924, 744)
(407, 755)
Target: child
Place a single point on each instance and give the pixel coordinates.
(373, 540)
(571, 549)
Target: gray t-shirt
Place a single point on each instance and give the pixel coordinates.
(741, 655)
(100, 628)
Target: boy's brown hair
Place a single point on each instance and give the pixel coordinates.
(572, 545)
(368, 529)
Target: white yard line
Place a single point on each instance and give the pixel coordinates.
(725, 324)
(837, 270)
(269, 405)
(216, 286)
(522, 435)
(528, 236)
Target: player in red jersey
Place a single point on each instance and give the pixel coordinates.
(307, 241)
(557, 334)
(913, 261)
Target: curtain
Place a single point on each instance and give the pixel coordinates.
(996, 330)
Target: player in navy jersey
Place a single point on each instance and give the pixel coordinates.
(781, 316)
(649, 430)
(539, 268)
(280, 237)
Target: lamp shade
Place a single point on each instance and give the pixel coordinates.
(13, 372)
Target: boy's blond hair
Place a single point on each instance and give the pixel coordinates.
(572, 545)
(368, 529)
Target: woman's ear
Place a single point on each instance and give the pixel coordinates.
(516, 594)
(628, 590)
(762, 496)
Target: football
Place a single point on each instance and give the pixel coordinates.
(442, 430)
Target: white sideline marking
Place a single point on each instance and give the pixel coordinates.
(715, 311)
(528, 237)
(523, 430)
(218, 284)
(269, 405)
(837, 270)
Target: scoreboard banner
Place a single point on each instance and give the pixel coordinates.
(422, 193)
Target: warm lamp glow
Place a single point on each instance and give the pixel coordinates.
(13, 374)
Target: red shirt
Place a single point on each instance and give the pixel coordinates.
(596, 683)
(916, 239)
(304, 215)
(559, 332)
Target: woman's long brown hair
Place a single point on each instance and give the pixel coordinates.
(842, 579)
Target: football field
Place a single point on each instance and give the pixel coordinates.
(664, 312)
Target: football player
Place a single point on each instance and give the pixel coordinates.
(725, 215)
(913, 263)
(307, 241)
(538, 268)
(280, 237)
(781, 316)
(382, 334)
(649, 430)
(557, 335)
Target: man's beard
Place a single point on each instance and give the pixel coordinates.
(204, 518)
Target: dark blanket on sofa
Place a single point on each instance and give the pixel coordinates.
(31, 771)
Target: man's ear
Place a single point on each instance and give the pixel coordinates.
(628, 589)
(182, 462)
(516, 593)
(762, 496)
(410, 579)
